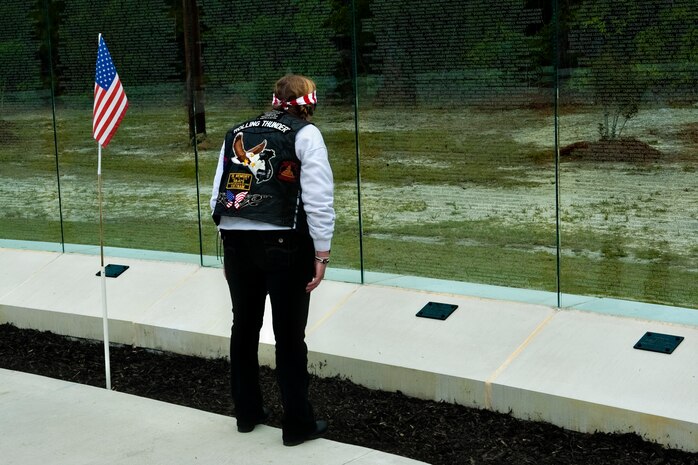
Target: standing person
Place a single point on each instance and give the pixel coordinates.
(273, 203)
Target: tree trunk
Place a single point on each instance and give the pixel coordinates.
(194, 69)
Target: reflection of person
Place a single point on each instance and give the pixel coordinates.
(273, 204)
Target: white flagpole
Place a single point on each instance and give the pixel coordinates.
(105, 319)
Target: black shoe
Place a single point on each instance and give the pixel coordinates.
(320, 430)
(246, 427)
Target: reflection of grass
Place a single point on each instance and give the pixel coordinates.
(507, 256)
(463, 262)
(657, 282)
(397, 154)
(490, 233)
(342, 151)
(491, 263)
(477, 251)
(152, 147)
(153, 142)
(137, 233)
(523, 256)
(440, 158)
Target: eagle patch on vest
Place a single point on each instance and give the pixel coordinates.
(255, 159)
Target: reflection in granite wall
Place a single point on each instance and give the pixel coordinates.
(525, 144)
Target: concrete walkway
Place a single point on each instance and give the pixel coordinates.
(576, 369)
(51, 422)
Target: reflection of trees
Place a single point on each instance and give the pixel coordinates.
(24, 39)
(46, 16)
(470, 47)
(618, 87)
(194, 69)
(631, 51)
(345, 21)
(622, 52)
(250, 44)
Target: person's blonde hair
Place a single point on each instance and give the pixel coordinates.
(293, 86)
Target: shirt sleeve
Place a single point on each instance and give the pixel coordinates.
(317, 185)
(217, 179)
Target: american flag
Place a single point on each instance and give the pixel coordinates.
(235, 199)
(110, 99)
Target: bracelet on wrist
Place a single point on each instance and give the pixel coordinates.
(323, 260)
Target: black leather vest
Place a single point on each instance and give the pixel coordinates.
(261, 173)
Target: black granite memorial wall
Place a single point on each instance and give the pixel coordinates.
(526, 144)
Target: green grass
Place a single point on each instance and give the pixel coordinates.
(137, 233)
(493, 254)
(659, 282)
(395, 158)
(152, 151)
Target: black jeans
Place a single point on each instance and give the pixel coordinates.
(280, 264)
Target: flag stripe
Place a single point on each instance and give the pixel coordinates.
(109, 106)
(308, 99)
(102, 97)
(105, 135)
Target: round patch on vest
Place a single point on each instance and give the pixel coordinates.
(288, 171)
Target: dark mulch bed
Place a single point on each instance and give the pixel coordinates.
(613, 150)
(689, 133)
(433, 432)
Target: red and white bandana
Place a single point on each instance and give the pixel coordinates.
(309, 99)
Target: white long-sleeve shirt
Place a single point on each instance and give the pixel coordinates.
(317, 190)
